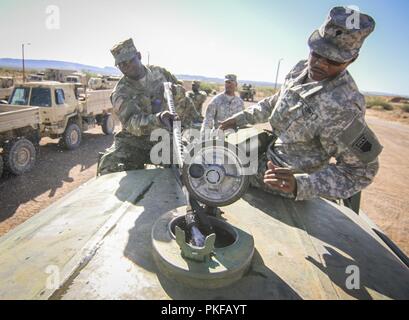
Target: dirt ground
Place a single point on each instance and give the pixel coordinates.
(386, 201)
(395, 115)
(58, 172)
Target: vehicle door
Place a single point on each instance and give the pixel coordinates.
(62, 107)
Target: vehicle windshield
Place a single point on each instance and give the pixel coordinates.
(20, 96)
(40, 97)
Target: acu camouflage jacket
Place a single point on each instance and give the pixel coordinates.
(136, 102)
(314, 122)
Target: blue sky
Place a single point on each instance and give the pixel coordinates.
(209, 38)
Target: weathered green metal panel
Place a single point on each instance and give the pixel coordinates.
(99, 238)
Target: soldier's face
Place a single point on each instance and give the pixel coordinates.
(131, 68)
(195, 87)
(230, 86)
(321, 68)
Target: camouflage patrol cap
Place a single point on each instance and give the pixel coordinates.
(341, 36)
(196, 82)
(124, 51)
(230, 77)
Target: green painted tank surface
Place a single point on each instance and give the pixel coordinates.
(95, 243)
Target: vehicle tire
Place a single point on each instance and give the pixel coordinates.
(71, 138)
(20, 156)
(1, 166)
(108, 124)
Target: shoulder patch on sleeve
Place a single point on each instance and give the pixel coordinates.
(361, 141)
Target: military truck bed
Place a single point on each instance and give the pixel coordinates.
(15, 117)
(97, 101)
(97, 242)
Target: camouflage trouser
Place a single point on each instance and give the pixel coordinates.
(127, 153)
(257, 180)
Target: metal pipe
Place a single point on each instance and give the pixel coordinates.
(24, 69)
(278, 70)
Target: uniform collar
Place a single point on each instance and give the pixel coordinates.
(306, 90)
(142, 80)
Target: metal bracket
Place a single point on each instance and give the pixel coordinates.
(195, 253)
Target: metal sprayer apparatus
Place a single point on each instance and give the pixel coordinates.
(192, 244)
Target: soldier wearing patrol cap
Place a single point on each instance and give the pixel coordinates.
(198, 96)
(222, 106)
(318, 114)
(138, 102)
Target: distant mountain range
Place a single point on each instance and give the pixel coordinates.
(55, 64)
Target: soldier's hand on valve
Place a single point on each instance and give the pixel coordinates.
(166, 118)
(229, 123)
(281, 179)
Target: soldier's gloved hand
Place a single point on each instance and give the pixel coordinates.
(167, 118)
(281, 179)
(229, 123)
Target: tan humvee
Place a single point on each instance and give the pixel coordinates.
(104, 82)
(64, 111)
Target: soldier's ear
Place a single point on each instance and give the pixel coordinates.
(138, 54)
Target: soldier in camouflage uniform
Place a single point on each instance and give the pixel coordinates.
(317, 115)
(138, 101)
(222, 106)
(186, 108)
(198, 96)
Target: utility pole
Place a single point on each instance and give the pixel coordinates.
(148, 57)
(24, 69)
(278, 70)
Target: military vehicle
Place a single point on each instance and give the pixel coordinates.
(19, 137)
(125, 236)
(77, 78)
(35, 77)
(115, 238)
(59, 75)
(6, 87)
(247, 92)
(63, 112)
(103, 82)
